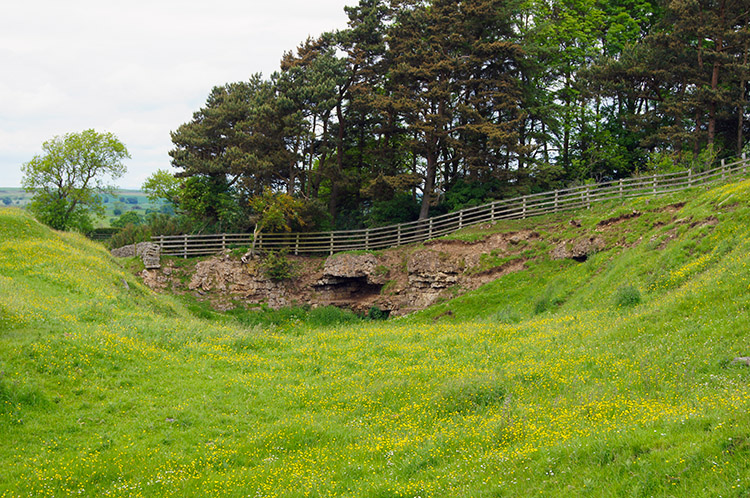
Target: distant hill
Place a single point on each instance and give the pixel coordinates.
(122, 201)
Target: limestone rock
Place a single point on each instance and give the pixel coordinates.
(340, 268)
(430, 269)
(228, 276)
(124, 251)
(149, 252)
(350, 265)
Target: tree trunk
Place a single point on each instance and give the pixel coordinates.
(333, 201)
(719, 48)
(743, 89)
(429, 182)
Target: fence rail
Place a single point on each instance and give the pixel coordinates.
(526, 206)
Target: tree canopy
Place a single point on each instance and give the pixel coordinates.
(424, 106)
(69, 178)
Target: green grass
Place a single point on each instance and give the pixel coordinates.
(108, 390)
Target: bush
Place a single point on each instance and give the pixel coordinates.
(627, 295)
(402, 208)
(376, 313)
(276, 266)
(128, 218)
(130, 234)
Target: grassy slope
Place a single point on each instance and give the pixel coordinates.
(112, 390)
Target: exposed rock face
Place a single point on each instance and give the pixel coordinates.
(429, 269)
(346, 266)
(579, 250)
(149, 252)
(349, 277)
(398, 281)
(229, 276)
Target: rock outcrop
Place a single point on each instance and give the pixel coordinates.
(396, 281)
(352, 278)
(430, 269)
(342, 267)
(228, 276)
(149, 252)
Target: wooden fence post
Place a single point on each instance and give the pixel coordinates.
(690, 177)
(654, 187)
(744, 163)
(461, 219)
(523, 211)
(723, 169)
(331, 244)
(557, 197)
(184, 246)
(398, 234)
(492, 211)
(430, 228)
(296, 246)
(621, 193)
(367, 239)
(223, 242)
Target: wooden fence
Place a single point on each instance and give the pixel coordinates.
(418, 231)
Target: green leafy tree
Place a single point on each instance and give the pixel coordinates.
(129, 218)
(275, 212)
(69, 178)
(237, 137)
(162, 185)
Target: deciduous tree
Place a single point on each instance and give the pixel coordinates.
(69, 178)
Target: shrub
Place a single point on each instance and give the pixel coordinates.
(627, 295)
(376, 313)
(128, 218)
(276, 266)
(130, 234)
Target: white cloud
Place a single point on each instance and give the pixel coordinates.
(138, 69)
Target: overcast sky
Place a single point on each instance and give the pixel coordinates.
(138, 69)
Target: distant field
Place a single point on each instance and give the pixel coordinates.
(122, 202)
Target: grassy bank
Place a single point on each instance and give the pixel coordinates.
(612, 377)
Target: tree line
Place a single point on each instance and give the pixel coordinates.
(421, 107)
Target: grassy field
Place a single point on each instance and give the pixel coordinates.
(612, 377)
(121, 202)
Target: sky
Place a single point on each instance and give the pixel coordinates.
(138, 69)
